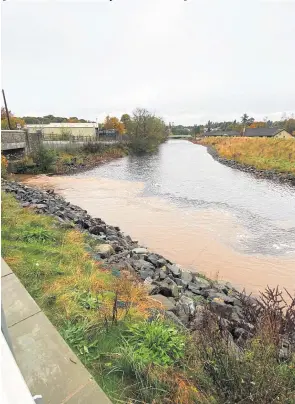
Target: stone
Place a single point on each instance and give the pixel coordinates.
(197, 323)
(97, 229)
(162, 275)
(140, 250)
(195, 289)
(145, 273)
(227, 299)
(167, 304)
(187, 301)
(40, 206)
(104, 250)
(174, 289)
(153, 258)
(201, 282)
(175, 270)
(186, 277)
(219, 307)
(161, 262)
(173, 317)
(142, 264)
(150, 286)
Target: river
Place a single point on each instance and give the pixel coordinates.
(203, 215)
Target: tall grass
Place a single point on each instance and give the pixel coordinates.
(261, 153)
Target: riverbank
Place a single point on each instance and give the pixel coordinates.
(68, 160)
(272, 159)
(83, 264)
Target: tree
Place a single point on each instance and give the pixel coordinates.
(258, 125)
(114, 123)
(15, 122)
(146, 131)
(290, 125)
(125, 119)
(246, 120)
(209, 126)
(196, 130)
(73, 119)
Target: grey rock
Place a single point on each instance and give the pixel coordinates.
(162, 275)
(97, 229)
(104, 250)
(201, 282)
(153, 258)
(175, 270)
(167, 304)
(173, 317)
(161, 262)
(195, 289)
(142, 264)
(186, 277)
(145, 273)
(219, 307)
(227, 299)
(200, 316)
(140, 250)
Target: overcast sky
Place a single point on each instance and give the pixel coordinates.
(187, 61)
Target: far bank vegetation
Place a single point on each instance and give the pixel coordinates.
(261, 153)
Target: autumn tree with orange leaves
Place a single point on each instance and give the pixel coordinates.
(111, 122)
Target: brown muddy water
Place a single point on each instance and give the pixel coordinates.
(191, 209)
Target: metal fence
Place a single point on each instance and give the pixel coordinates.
(63, 141)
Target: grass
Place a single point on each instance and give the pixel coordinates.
(261, 153)
(118, 333)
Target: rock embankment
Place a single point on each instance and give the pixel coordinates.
(267, 174)
(187, 297)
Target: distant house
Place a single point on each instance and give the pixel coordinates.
(65, 128)
(267, 132)
(223, 133)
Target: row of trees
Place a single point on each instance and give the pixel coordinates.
(17, 122)
(287, 123)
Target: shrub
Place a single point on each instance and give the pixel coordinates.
(45, 159)
(155, 342)
(83, 339)
(39, 235)
(4, 164)
(249, 375)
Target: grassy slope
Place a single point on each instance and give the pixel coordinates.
(56, 266)
(261, 153)
(59, 273)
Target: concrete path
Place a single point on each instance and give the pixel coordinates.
(47, 364)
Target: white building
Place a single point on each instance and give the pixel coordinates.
(68, 129)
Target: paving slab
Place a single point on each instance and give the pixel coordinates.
(5, 270)
(17, 303)
(48, 365)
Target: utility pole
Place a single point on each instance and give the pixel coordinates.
(6, 109)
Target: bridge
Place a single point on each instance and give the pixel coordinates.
(180, 136)
(16, 142)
